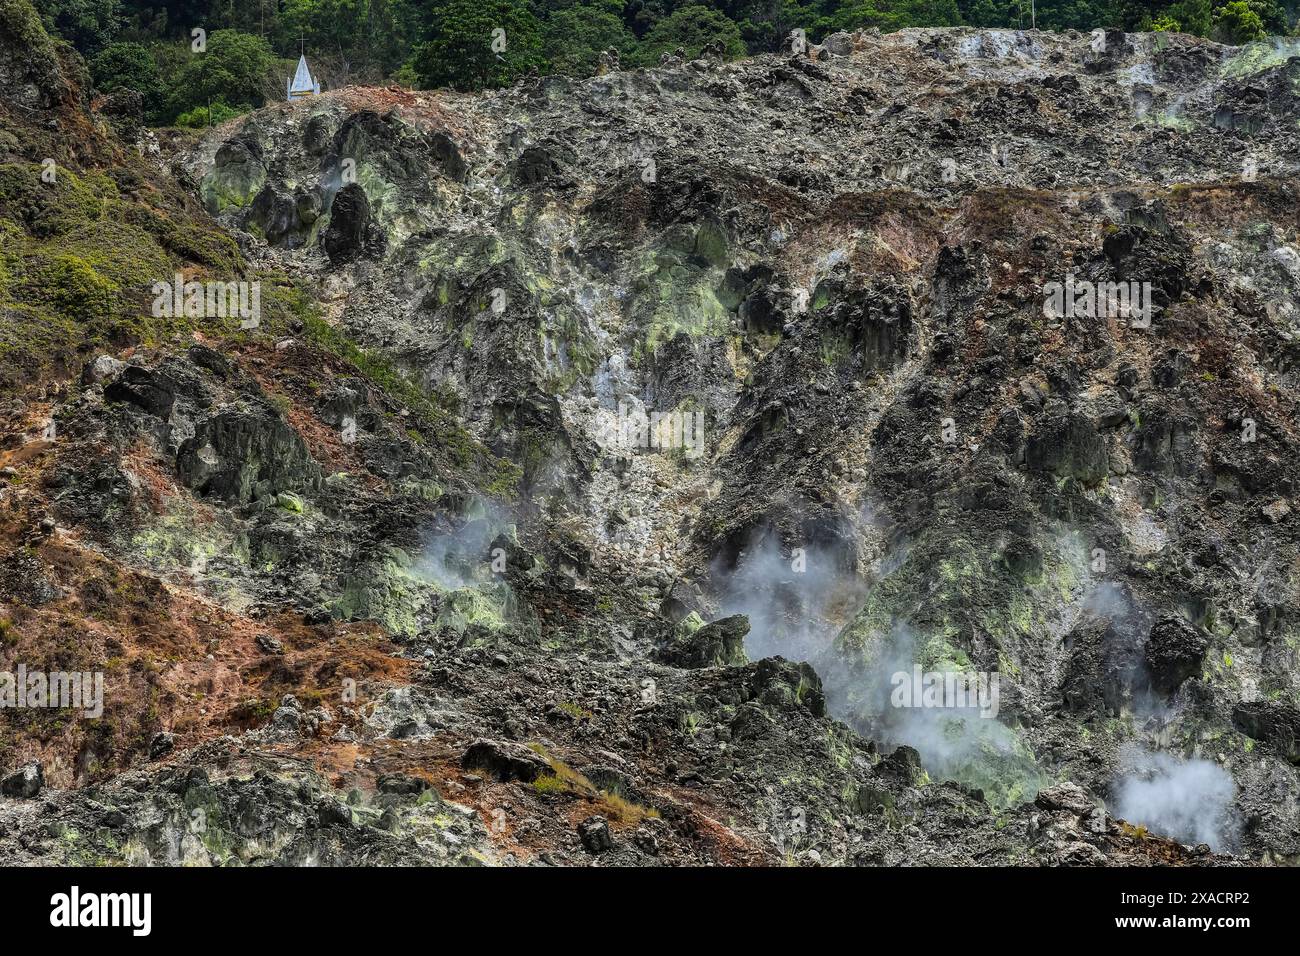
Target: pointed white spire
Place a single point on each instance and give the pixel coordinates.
(303, 84)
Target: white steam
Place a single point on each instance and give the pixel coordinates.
(1186, 800)
(460, 558)
(954, 742)
(787, 598)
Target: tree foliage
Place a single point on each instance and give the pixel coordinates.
(574, 37)
(89, 25)
(130, 66)
(1237, 23)
(477, 44)
(692, 29)
(235, 68)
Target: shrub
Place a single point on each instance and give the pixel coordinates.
(200, 116)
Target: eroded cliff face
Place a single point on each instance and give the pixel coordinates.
(400, 575)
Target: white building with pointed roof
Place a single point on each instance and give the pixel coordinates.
(302, 85)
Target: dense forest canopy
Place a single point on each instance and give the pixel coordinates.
(248, 45)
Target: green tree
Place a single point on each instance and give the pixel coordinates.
(89, 25)
(988, 13)
(933, 13)
(359, 34)
(764, 24)
(574, 38)
(889, 15)
(1194, 16)
(1271, 15)
(1076, 14)
(1236, 23)
(477, 44)
(130, 66)
(172, 19)
(235, 68)
(692, 29)
(334, 25)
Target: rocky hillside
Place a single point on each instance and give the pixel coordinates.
(389, 574)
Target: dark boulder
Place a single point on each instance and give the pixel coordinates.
(1069, 446)
(762, 312)
(161, 745)
(351, 232)
(1102, 667)
(504, 760)
(332, 813)
(720, 644)
(692, 372)
(285, 219)
(595, 835)
(269, 644)
(776, 682)
(316, 136)
(504, 551)
(448, 156)
(24, 783)
(272, 214)
(208, 358)
(144, 388)
(1166, 441)
(547, 165)
(245, 453)
(1148, 250)
(680, 602)
(1272, 723)
(902, 766)
(871, 326)
(402, 784)
(238, 174)
(1174, 652)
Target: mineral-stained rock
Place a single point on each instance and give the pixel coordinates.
(837, 261)
(236, 176)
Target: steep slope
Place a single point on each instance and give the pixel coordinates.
(408, 538)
